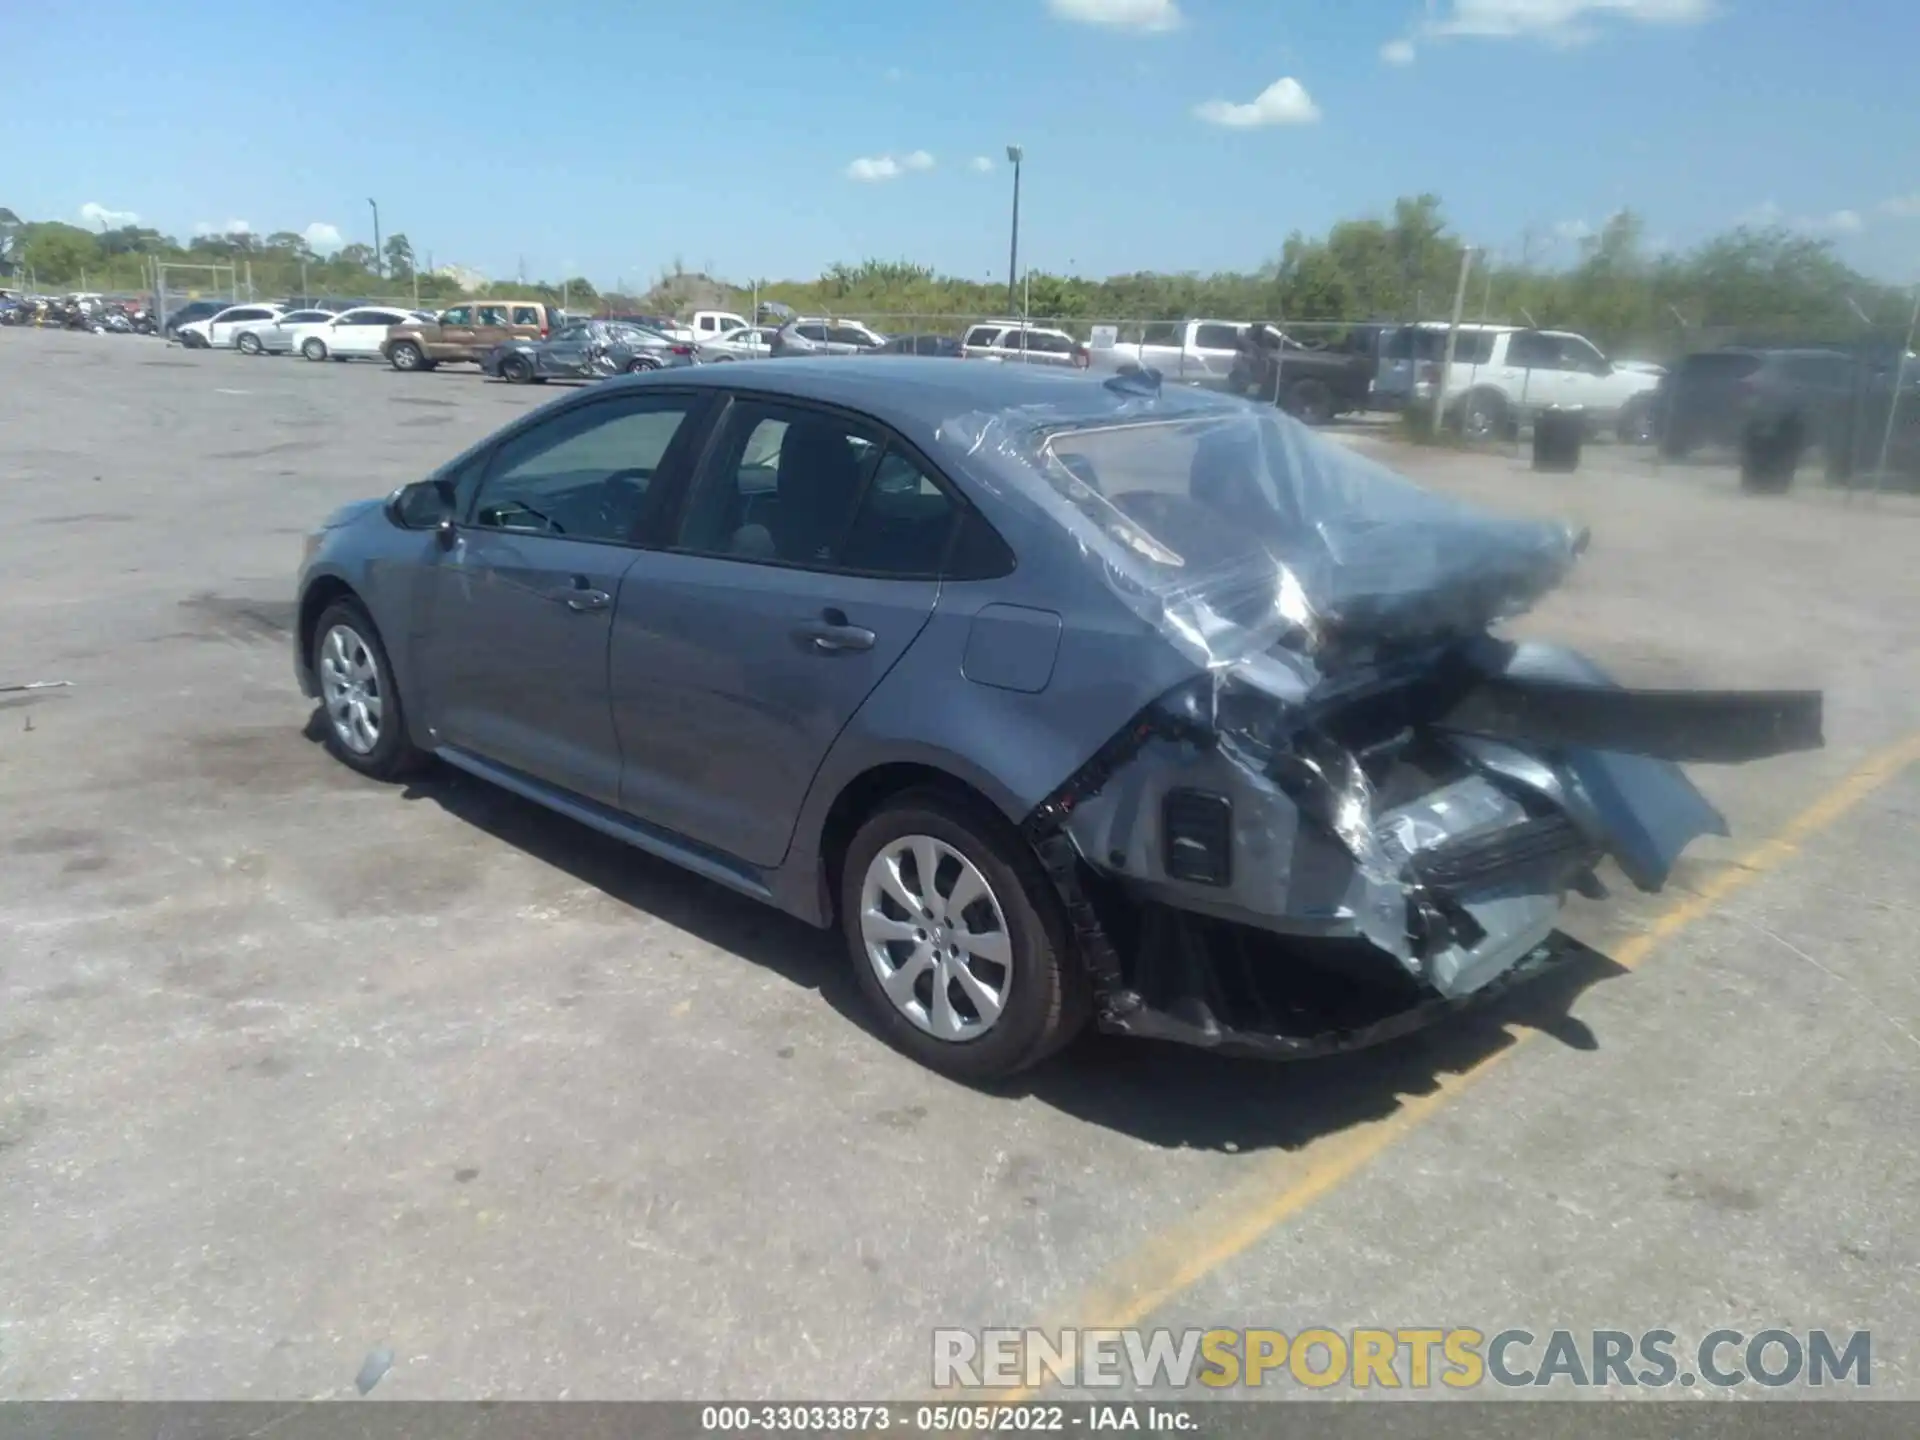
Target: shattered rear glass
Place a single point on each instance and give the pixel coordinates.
(1234, 528)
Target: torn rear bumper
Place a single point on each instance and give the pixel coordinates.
(1287, 879)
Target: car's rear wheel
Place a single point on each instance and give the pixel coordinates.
(723, 359)
(1483, 415)
(640, 363)
(1635, 425)
(1310, 401)
(314, 348)
(248, 343)
(958, 940)
(366, 728)
(405, 355)
(516, 369)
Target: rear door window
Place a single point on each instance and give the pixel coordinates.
(526, 315)
(1216, 337)
(983, 336)
(493, 315)
(459, 315)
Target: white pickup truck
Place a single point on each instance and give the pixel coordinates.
(1193, 352)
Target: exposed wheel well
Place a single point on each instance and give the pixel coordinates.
(866, 793)
(322, 593)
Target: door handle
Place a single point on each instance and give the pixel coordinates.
(580, 596)
(831, 633)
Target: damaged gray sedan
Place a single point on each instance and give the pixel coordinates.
(1067, 701)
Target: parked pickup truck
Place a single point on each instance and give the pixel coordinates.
(1314, 384)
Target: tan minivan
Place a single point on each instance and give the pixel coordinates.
(466, 332)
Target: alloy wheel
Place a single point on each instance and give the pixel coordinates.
(937, 937)
(350, 689)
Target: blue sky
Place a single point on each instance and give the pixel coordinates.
(771, 138)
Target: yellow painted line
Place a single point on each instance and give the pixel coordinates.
(1291, 1181)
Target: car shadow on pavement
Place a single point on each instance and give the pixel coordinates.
(1177, 1097)
(760, 934)
(1165, 1095)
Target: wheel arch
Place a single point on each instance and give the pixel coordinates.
(817, 856)
(321, 591)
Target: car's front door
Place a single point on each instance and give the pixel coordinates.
(225, 326)
(805, 563)
(523, 601)
(453, 336)
(568, 352)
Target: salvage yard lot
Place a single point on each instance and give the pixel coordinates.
(295, 1067)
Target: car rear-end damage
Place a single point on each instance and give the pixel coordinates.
(1364, 809)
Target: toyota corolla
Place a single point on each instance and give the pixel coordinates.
(1067, 701)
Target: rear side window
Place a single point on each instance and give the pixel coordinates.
(1216, 337)
(902, 525)
(847, 335)
(493, 314)
(1530, 350)
(526, 314)
(983, 335)
(811, 332)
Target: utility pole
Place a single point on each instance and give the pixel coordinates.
(1016, 154)
(376, 238)
(1453, 334)
(1893, 398)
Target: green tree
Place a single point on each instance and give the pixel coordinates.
(58, 253)
(398, 252)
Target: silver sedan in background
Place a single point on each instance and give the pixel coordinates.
(753, 343)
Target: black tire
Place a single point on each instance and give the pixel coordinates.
(393, 754)
(723, 359)
(405, 355)
(1482, 415)
(248, 343)
(1048, 996)
(516, 370)
(314, 348)
(640, 364)
(1310, 401)
(1635, 424)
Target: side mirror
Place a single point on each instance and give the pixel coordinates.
(424, 505)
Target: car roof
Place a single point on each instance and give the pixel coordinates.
(917, 396)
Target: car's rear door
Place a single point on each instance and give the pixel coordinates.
(804, 564)
(522, 603)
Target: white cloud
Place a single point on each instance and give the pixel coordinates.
(1151, 16)
(1573, 230)
(980, 165)
(1284, 102)
(232, 227)
(322, 236)
(1768, 214)
(875, 168)
(1562, 22)
(1903, 207)
(100, 217)
(1839, 222)
(1397, 52)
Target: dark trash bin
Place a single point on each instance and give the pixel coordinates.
(1557, 435)
(1770, 452)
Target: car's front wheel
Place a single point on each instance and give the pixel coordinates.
(516, 369)
(248, 343)
(314, 348)
(958, 940)
(366, 726)
(405, 355)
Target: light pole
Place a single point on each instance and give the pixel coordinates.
(376, 237)
(1015, 154)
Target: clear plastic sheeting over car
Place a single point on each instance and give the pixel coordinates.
(1236, 531)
